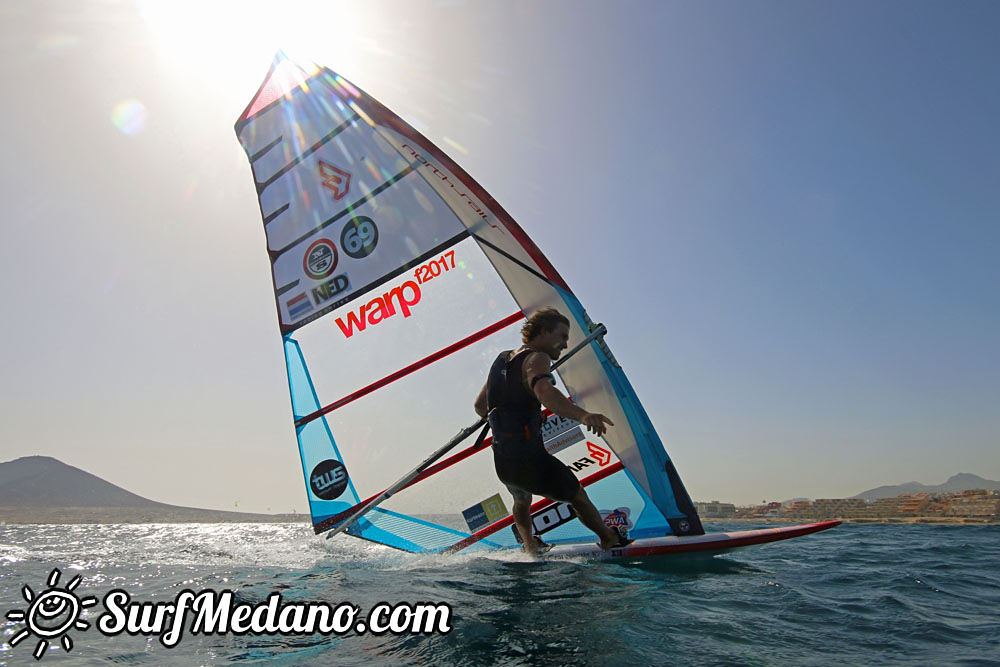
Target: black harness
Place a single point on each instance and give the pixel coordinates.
(515, 414)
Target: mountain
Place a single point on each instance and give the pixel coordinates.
(41, 489)
(42, 481)
(963, 481)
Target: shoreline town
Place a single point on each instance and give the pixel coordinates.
(977, 506)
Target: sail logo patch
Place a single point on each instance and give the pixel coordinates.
(552, 517)
(299, 306)
(580, 464)
(399, 299)
(331, 288)
(618, 517)
(320, 259)
(558, 433)
(564, 440)
(335, 180)
(381, 307)
(359, 237)
(485, 513)
(328, 479)
(602, 455)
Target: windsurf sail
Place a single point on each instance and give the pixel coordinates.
(397, 281)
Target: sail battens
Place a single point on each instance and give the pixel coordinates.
(284, 289)
(415, 366)
(274, 214)
(306, 153)
(264, 151)
(347, 211)
(513, 259)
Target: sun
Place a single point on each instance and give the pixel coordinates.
(236, 39)
(51, 614)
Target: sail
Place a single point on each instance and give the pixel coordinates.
(397, 281)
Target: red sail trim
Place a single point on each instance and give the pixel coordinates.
(541, 504)
(279, 83)
(380, 115)
(403, 372)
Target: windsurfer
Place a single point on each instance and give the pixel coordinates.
(519, 384)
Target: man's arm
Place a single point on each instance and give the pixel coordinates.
(537, 364)
(481, 402)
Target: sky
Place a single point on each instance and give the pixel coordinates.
(787, 213)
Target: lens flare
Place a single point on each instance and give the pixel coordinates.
(129, 117)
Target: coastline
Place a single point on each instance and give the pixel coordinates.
(924, 520)
(95, 515)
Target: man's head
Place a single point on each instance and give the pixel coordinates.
(547, 330)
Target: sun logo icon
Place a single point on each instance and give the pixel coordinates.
(51, 614)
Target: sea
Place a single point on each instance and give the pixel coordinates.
(854, 595)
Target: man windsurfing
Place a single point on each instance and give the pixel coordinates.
(518, 385)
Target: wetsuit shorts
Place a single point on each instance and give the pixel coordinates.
(526, 468)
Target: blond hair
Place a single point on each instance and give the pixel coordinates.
(543, 320)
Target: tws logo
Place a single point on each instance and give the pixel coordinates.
(51, 614)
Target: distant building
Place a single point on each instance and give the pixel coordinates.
(840, 508)
(978, 504)
(716, 510)
(913, 504)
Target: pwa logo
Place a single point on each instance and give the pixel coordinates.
(617, 518)
(381, 307)
(335, 180)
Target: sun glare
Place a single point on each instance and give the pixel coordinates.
(240, 37)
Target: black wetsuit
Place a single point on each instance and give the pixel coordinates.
(521, 461)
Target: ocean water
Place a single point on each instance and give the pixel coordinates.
(854, 595)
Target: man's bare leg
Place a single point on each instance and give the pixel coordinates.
(591, 518)
(522, 519)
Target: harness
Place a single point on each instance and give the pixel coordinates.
(515, 414)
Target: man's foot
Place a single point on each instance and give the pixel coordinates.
(538, 547)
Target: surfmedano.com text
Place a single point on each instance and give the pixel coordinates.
(209, 612)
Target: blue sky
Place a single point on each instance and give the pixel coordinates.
(786, 213)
